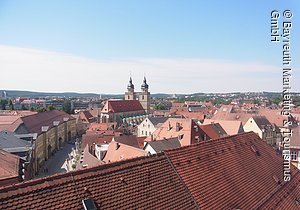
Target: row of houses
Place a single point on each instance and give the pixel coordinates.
(34, 137)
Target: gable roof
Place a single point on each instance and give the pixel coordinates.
(234, 172)
(157, 120)
(86, 116)
(117, 106)
(140, 183)
(89, 160)
(11, 143)
(117, 151)
(10, 123)
(213, 131)
(241, 116)
(232, 127)
(35, 122)
(130, 140)
(168, 130)
(163, 145)
(96, 137)
(9, 165)
(262, 122)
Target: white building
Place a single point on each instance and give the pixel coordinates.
(149, 125)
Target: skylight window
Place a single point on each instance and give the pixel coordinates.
(89, 204)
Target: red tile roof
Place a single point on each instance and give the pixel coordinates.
(94, 137)
(232, 127)
(9, 166)
(236, 172)
(87, 117)
(191, 115)
(227, 173)
(130, 140)
(101, 126)
(141, 183)
(287, 197)
(213, 131)
(117, 106)
(117, 151)
(89, 160)
(11, 120)
(187, 131)
(10, 123)
(35, 122)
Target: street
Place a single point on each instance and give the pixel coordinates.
(56, 164)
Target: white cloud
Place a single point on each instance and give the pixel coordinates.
(29, 69)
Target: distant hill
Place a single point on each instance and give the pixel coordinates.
(32, 94)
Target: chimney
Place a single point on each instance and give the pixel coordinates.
(98, 116)
(177, 126)
(117, 145)
(169, 126)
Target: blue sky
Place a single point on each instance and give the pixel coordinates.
(145, 37)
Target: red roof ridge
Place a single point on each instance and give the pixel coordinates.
(210, 140)
(111, 167)
(277, 189)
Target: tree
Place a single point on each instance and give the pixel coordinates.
(3, 103)
(50, 108)
(11, 106)
(67, 107)
(160, 106)
(23, 107)
(41, 109)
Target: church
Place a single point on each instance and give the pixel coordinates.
(143, 97)
(132, 110)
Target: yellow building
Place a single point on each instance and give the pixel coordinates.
(53, 129)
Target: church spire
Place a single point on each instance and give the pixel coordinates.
(130, 84)
(145, 85)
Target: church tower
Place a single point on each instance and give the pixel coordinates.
(144, 96)
(130, 95)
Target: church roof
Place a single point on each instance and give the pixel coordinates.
(117, 106)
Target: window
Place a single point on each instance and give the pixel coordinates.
(146, 133)
(294, 155)
(142, 132)
(148, 125)
(89, 204)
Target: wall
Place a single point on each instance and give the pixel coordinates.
(252, 126)
(146, 125)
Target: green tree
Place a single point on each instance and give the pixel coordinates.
(41, 109)
(50, 108)
(11, 105)
(160, 107)
(23, 107)
(3, 103)
(67, 107)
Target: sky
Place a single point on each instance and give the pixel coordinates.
(180, 46)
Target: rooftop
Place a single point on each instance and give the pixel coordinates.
(140, 183)
(235, 172)
(117, 106)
